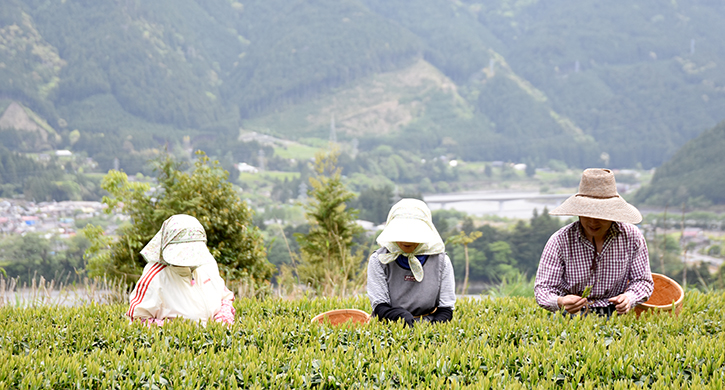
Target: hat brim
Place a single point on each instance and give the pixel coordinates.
(609, 209)
(187, 254)
(408, 230)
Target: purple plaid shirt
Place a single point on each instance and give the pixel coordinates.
(569, 263)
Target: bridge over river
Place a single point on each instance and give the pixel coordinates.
(503, 204)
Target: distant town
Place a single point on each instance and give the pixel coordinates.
(51, 218)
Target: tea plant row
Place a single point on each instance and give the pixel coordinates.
(500, 342)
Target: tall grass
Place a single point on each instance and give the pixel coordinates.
(517, 286)
(75, 291)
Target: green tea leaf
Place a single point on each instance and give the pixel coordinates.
(587, 291)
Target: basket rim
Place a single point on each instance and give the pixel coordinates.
(678, 302)
(318, 317)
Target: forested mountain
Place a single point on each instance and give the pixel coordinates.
(694, 175)
(509, 80)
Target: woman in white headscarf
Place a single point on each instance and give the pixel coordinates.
(181, 278)
(410, 277)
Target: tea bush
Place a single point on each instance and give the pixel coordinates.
(499, 342)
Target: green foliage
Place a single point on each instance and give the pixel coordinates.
(328, 263)
(692, 175)
(665, 255)
(374, 203)
(517, 285)
(204, 193)
(491, 343)
(719, 278)
(502, 254)
(39, 181)
(445, 220)
(510, 79)
(33, 255)
(464, 239)
(528, 240)
(300, 49)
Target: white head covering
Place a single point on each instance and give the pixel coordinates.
(181, 241)
(410, 220)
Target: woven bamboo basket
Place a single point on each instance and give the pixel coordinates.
(341, 316)
(667, 294)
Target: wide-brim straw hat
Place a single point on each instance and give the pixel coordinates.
(598, 198)
(409, 220)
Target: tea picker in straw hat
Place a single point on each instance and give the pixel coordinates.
(410, 277)
(181, 278)
(601, 260)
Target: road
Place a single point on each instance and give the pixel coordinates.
(713, 263)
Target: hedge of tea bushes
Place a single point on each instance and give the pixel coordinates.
(506, 342)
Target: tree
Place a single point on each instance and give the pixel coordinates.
(327, 261)
(487, 170)
(236, 244)
(528, 240)
(530, 168)
(27, 255)
(501, 264)
(34, 255)
(375, 202)
(464, 239)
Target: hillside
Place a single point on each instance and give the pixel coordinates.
(419, 108)
(694, 175)
(501, 80)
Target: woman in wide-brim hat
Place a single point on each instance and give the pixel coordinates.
(600, 261)
(410, 277)
(181, 278)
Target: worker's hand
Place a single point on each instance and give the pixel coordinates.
(225, 313)
(571, 303)
(621, 303)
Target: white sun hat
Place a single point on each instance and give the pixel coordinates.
(181, 241)
(410, 220)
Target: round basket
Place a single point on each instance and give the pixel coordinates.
(341, 316)
(666, 291)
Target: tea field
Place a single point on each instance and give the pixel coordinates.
(491, 343)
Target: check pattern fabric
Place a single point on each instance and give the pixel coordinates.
(570, 262)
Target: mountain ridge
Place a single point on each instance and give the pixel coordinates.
(632, 81)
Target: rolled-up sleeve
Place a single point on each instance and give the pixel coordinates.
(549, 285)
